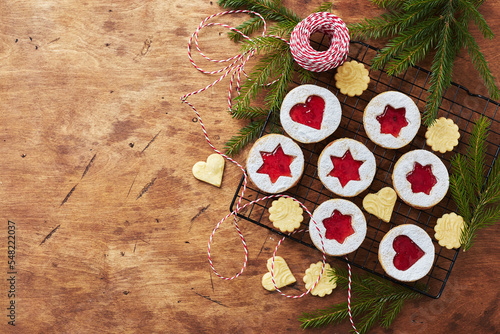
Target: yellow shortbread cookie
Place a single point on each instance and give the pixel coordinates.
(443, 135)
(282, 274)
(352, 78)
(381, 204)
(286, 214)
(325, 285)
(448, 230)
(210, 171)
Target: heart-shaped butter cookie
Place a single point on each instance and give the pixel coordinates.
(381, 204)
(282, 274)
(210, 171)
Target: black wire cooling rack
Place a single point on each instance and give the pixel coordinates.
(458, 104)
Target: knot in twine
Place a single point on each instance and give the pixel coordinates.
(320, 61)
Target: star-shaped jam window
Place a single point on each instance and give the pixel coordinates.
(338, 226)
(392, 120)
(345, 168)
(276, 164)
(421, 179)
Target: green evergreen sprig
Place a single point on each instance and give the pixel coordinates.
(374, 300)
(477, 195)
(416, 27)
(270, 78)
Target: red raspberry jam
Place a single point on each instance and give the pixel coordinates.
(392, 120)
(338, 226)
(345, 168)
(421, 179)
(276, 164)
(407, 252)
(309, 113)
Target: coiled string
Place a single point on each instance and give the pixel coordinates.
(320, 61)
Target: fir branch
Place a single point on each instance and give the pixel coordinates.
(279, 89)
(416, 27)
(239, 112)
(418, 5)
(375, 300)
(476, 153)
(478, 60)
(324, 7)
(246, 135)
(441, 68)
(477, 198)
(493, 183)
(246, 28)
(282, 29)
(264, 44)
(459, 193)
(389, 4)
(392, 311)
(270, 10)
(415, 36)
(388, 24)
(259, 78)
(472, 12)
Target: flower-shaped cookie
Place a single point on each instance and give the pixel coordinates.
(325, 285)
(282, 274)
(286, 214)
(352, 78)
(381, 204)
(443, 135)
(448, 230)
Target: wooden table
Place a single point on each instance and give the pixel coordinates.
(111, 227)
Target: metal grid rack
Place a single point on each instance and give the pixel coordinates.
(458, 104)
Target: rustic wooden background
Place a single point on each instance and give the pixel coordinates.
(111, 227)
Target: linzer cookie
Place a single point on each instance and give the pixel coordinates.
(310, 113)
(391, 119)
(406, 253)
(346, 167)
(275, 163)
(420, 178)
(340, 227)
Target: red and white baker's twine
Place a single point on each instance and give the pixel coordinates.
(320, 61)
(236, 68)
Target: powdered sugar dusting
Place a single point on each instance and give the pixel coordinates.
(359, 152)
(332, 246)
(402, 186)
(376, 107)
(301, 132)
(268, 143)
(386, 253)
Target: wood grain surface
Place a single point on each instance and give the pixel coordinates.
(112, 228)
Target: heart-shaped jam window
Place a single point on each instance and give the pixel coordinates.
(407, 252)
(309, 113)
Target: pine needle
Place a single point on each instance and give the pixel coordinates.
(477, 196)
(374, 300)
(246, 135)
